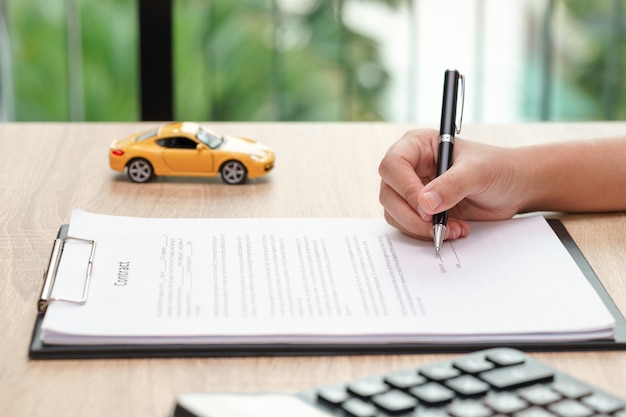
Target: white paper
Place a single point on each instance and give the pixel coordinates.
(322, 280)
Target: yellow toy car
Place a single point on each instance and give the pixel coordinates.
(188, 149)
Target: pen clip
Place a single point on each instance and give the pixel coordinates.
(460, 122)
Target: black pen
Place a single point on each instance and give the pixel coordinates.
(447, 130)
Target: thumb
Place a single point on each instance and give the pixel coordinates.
(445, 191)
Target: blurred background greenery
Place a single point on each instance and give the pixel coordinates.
(298, 60)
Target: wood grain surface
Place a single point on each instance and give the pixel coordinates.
(322, 170)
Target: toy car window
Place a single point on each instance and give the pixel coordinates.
(212, 140)
(177, 143)
(182, 143)
(149, 134)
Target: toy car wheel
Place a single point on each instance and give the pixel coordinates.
(139, 170)
(233, 172)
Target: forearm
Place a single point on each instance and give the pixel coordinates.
(583, 176)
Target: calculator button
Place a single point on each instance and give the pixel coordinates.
(367, 387)
(506, 357)
(359, 408)
(572, 389)
(534, 412)
(571, 408)
(333, 395)
(518, 375)
(405, 380)
(468, 385)
(395, 402)
(473, 365)
(432, 393)
(539, 395)
(603, 403)
(440, 372)
(469, 408)
(505, 403)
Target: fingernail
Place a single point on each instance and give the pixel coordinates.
(433, 198)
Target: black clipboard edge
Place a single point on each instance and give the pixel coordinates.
(38, 350)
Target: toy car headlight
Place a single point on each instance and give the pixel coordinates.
(255, 157)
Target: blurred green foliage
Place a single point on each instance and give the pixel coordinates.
(600, 78)
(588, 59)
(250, 60)
(265, 60)
(39, 41)
(233, 60)
(39, 72)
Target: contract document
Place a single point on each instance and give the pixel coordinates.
(317, 280)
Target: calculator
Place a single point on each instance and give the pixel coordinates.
(494, 382)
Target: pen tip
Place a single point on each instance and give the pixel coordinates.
(438, 233)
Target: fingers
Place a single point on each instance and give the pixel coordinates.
(409, 204)
(446, 191)
(401, 215)
(410, 160)
(415, 227)
(401, 185)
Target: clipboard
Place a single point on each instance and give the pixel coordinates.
(38, 350)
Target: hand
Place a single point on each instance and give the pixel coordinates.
(483, 183)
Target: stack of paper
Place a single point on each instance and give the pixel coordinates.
(320, 280)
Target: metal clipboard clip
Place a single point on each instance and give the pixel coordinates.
(51, 273)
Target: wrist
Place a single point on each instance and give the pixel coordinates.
(544, 181)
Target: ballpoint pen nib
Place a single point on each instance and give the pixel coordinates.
(438, 231)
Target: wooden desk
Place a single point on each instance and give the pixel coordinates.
(321, 170)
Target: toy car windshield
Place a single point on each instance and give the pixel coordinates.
(212, 140)
(149, 134)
